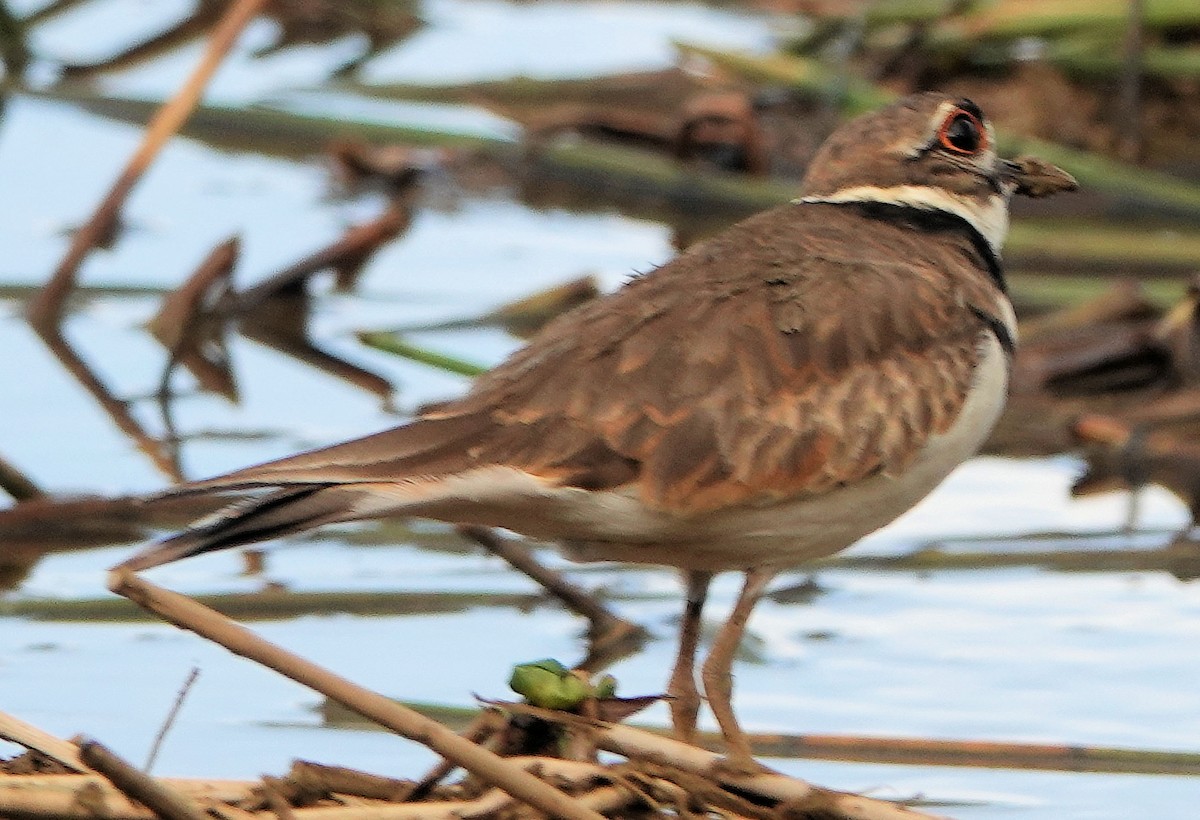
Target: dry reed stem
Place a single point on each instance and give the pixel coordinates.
(273, 793)
(494, 802)
(72, 798)
(343, 256)
(610, 637)
(641, 746)
(116, 409)
(637, 744)
(188, 614)
(319, 779)
(165, 802)
(18, 485)
(224, 811)
(45, 309)
(480, 730)
(186, 320)
(91, 796)
(169, 720)
(23, 734)
(85, 797)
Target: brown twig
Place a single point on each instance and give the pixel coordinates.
(169, 720)
(609, 636)
(49, 12)
(483, 727)
(191, 28)
(276, 311)
(90, 796)
(17, 484)
(344, 257)
(165, 802)
(641, 745)
(190, 316)
(67, 797)
(14, 48)
(282, 324)
(116, 409)
(45, 309)
(708, 793)
(909, 751)
(24, 734)
(315, 778)
(273, 790)
(188, 614)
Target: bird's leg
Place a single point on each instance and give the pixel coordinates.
(716, 672)
(685, 698)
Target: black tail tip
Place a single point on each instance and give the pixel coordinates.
(162, 552)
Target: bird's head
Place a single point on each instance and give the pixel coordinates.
(930, 151)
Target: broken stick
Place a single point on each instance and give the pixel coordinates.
(491, 768)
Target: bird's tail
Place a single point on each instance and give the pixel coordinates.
(249, 520)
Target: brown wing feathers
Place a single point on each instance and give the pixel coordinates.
(754, 366)
(786, 399)
(650, 382)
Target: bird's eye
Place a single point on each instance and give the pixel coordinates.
(962, 133)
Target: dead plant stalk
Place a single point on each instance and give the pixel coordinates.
(24, 734)
(188, 614)
(45, 310)
(164, 801)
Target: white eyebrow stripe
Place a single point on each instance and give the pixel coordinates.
(913, 150)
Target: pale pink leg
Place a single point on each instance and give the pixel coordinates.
(685, 698)
(717, 672)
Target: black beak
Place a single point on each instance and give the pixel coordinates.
(1032, 177)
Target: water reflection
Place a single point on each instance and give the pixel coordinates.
(159, 451)
(379, 26)
(192, 324)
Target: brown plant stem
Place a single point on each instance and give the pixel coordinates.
(14, 48)
(186, 613)
(24, 734)
(798, 794)
(16, 483)
(914, 751)
(483, 727)
(118, 410)
(319, 779)
(608, 633)
(188, 317)
(45, 310)
(344, 256)
(90, 796)
(165, 802)
(169, 721)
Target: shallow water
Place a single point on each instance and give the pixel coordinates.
(1013, 654)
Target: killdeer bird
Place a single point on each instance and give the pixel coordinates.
(768, 397)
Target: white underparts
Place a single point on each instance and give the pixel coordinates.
(988, 217)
